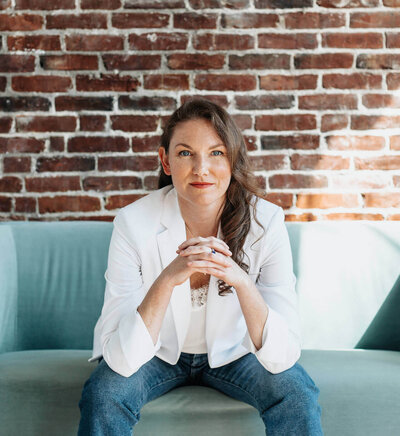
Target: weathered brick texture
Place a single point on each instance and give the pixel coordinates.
(86, 87)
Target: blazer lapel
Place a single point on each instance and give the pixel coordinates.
(168, 241)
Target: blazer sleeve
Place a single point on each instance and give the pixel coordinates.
(126, 342)
(281, 339)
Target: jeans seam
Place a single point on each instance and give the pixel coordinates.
(236, 386)
(165, 381)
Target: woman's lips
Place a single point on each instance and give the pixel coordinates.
(201, 185)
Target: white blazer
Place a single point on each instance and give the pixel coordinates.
(144, 240)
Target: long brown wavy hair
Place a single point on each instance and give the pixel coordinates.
(235, 217)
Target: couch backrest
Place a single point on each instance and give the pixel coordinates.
(52, 280)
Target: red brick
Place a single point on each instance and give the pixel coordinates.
(359, 182)
(282, 4)
(393, 40)
(382, 199)
(25, 204)
(116, 183)
(319, 162)
(166, 81)
(139, 20)
(20, 22)
(10, 184)
(249, 20)
(118, 201)
(391, 3)
(221, 41)
(303, 217)
(5, 4)
(100, 4)
(62, 164)
(279, 82)
(69, 62)
(85, 144)
(41, 83)
(348, 3)
(259, 61)
(380, 100)
(286, 122)
(148, 143)
(375, 19)
(21, 145)
(257, 102)
(16, 63)
(158, 41)
(17, 164)
(328, 101)
(53, 184)
(89, 103)
(377, 163)
(56, 143)
(194, 20)
(146, 103)
(353, 216)
(80, 21)
(131, 62)
(34, 42)
(365, 122)
(287, 41)
(64, 203)
(128, 163)
(378, 61)
(334, 122)
(396, 181)
(45, 124)
(5, 124)
(393, 81)
(3, 82)
(44, 4)
(218, 99)
(297, 181)
(355, 142)
(156, 4)
(134, 123)
(352, 40)
(268, 162)
(313, 20)
(303, 142)
(5, 204)
(395, 142)
(243, 121)
(25, 104)
(94, 42)
(323, 61)
(92, 123)
(326, 201)
(282, 199)
(225, 82)
(106, 82)
(199, 61)
(352, 81)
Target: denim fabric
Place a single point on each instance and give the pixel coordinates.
(287, 402)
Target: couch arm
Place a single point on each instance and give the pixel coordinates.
(8, 290)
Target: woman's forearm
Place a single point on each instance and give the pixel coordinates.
(154, 305)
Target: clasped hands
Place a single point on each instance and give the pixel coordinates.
(219, 264)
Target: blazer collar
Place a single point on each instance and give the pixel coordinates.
(168, 240)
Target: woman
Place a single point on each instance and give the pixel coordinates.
(182, 306)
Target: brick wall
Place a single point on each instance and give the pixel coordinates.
(86, 86)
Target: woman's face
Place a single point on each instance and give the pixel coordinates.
(197, 154)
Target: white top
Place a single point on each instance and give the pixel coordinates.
(195, 341)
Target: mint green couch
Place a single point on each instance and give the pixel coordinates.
(51, 293)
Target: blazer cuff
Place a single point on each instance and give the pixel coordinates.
(274, 339)
(131, 346)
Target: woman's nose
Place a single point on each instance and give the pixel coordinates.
(201, 165)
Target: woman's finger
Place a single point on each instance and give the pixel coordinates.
(205, 248)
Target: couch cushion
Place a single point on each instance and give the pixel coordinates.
(360, 393)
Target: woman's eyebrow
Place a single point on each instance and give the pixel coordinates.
(188, 146)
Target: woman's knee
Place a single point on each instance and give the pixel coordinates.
(106, 389)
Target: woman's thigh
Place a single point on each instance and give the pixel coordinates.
(247, 380)
(153, 379)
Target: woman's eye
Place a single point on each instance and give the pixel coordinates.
(186, 151)
(218, 151)
(183, 151)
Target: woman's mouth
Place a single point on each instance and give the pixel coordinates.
(201, 185)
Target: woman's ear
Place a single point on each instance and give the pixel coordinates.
(164, 160)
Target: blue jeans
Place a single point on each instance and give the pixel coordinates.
(287, 402)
